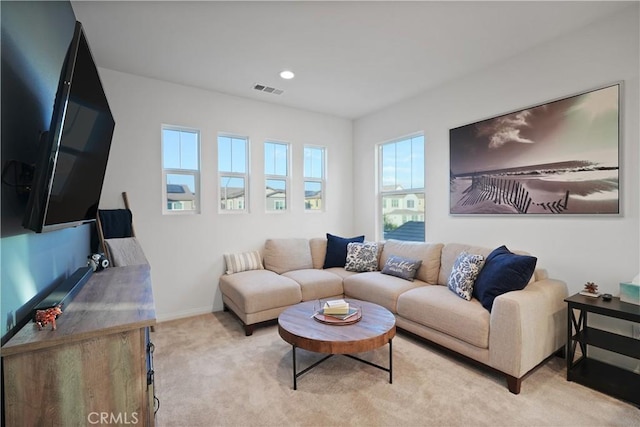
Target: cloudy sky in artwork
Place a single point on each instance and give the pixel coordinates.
(577, 128)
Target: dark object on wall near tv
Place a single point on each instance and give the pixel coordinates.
(73, 154)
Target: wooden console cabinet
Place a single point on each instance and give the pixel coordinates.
(96, 368)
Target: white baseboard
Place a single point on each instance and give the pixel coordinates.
(182, 314)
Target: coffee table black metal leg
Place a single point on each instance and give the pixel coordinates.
(296, 374)
(295, 377)
(390, 363)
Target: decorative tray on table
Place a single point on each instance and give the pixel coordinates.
(354, 316)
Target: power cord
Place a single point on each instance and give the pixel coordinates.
(22, 176)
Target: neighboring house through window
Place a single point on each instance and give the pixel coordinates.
(233, 173)
(401, 169)
(180, 169)
(276, 171)
(314, 178)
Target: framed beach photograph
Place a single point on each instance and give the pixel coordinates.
(557, 158)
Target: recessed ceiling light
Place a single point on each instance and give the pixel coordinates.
(287, 75)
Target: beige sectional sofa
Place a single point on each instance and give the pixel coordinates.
(522, 329)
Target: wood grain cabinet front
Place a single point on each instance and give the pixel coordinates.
(96, 367)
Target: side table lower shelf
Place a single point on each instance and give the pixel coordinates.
(609, 379)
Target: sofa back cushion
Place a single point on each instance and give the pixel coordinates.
(318, 251)
(428, 253)
(282, 255)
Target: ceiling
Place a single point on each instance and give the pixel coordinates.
(350, 58)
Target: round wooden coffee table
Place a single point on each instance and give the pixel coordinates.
(377, 327)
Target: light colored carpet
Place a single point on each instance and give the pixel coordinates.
(209, 374)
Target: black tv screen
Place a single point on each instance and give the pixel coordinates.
(73, 155)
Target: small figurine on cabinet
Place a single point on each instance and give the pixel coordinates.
(44, 317)
(590, 290)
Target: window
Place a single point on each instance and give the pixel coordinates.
(401, 168)
(314, 178)
(276, 171)
(180, 169)
(233, 175)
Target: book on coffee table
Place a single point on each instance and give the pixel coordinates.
(336, 307)
(352, 312)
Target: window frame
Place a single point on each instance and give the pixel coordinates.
(181, 171)
(322, 180)
(227, 174)
(401, 193)
(274, 177)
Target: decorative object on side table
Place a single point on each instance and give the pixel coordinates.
(590, 290)
(44, 317)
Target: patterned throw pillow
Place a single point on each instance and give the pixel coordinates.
(362, 256)
(463, 274)
(401, 267)
(243, 262)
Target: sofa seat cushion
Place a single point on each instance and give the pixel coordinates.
(341, 271)
(257, 290)
(378, 288)
(428, 253)
(282, 255)
(315, 284)
(438, 308)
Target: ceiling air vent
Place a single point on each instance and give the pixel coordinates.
(267, 89)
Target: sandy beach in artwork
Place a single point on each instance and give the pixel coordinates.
(585, 192)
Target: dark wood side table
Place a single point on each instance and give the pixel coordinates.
(613, 380)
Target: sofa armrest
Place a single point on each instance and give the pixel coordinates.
(541, 274)
(527, 326)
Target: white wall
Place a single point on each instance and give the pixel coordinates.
(186, 251)
(576, 249)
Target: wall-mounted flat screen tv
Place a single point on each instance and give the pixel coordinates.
(72, 158)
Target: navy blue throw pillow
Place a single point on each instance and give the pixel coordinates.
(337, 250)
(503, 272)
